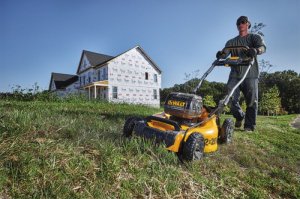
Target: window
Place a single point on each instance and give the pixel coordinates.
(99, 75)
(154, 93)
(79, 81)
(89, 79)
(83, 80)
(146, 76)
(155, 77)
(105, 74)
(115, 92)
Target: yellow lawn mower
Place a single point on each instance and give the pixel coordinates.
(187, 127)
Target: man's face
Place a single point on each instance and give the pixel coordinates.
(242, 25)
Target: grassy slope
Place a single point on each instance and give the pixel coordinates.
(75, 150)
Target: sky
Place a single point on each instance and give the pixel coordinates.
(38, 37)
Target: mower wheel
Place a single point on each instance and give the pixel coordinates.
(226, 133)
(193, 148)
(129, 126)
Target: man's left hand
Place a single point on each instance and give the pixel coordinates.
(252, 52)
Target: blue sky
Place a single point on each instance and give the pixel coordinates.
(38, 37)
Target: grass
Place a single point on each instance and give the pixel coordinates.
(75, 150)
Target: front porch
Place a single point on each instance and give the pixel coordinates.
(97, 90)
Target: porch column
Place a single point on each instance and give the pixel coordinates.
(89, 93)
(95, 93)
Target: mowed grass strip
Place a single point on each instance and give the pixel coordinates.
(75, 150)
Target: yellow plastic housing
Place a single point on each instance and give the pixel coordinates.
(209, 130)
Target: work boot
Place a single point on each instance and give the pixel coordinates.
(238, 123)
(248, 130)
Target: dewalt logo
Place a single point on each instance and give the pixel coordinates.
(176, 103)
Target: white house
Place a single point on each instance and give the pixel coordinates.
(63, 84)
(130, 77)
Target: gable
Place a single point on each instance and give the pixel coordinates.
(148, 59)
(136, 56)
(52, 86)
(90, 59)
(84, 63)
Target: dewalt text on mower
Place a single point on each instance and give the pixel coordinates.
(187, 127)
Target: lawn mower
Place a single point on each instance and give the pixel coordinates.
(187, 127)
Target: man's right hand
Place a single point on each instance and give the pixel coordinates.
(220, 54)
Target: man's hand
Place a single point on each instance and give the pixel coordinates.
(220, 54)
(252, 52)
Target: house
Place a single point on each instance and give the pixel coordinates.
(63, 84)
(130, 77)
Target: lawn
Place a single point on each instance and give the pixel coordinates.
(75, 150)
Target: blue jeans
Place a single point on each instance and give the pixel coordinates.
(249, 88)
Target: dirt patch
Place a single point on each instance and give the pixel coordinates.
(296, 123)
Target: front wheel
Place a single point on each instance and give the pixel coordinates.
(193, 148)
(129, 126)
(226, 132)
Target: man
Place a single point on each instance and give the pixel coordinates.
(249, 86)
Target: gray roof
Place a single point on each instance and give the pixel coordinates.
(94, 58)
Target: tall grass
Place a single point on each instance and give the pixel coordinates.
(74, 149)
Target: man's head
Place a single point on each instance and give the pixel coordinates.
(242, 20)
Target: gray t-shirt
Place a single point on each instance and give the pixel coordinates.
(252, 41)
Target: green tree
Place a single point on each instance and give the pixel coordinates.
(289, 87)
(270, 102)
(208, 100)
(294, 95)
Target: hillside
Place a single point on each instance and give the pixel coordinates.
(75, 150)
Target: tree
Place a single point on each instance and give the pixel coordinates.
(289, 87)
(293, 93)
(270, 102)
(208, 100)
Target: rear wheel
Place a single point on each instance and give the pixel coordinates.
(226, 133)
(129, 126)
(193, 148)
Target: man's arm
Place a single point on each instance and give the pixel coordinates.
(259, 44)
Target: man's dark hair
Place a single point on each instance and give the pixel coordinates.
(243, 18)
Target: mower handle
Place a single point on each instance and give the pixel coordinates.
(224, 102)
(235, 48)
(233, 61)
